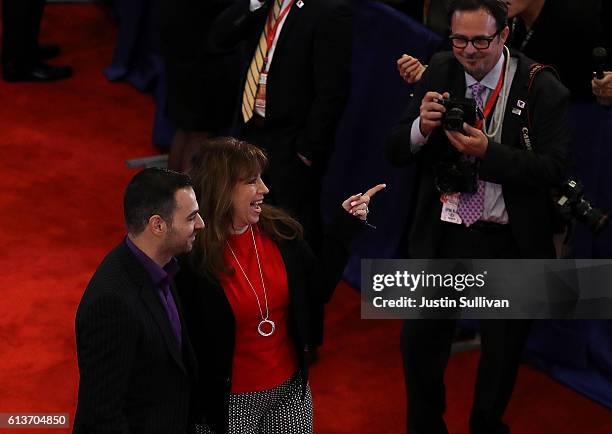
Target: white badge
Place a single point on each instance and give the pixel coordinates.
(520, 104)
(450, 203)
(516, 111)
(299, 4)
(260, 98)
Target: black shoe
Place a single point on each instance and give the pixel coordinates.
(48, 51)
(38, 73)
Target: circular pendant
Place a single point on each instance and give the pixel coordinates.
(260, 327)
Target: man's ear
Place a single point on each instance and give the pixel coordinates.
(157, 225)
(503, 35)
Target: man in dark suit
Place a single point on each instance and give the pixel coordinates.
(519, 152)
(293, 92)
(135, 360)
(22, 57)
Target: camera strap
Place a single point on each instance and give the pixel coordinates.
(534, 70)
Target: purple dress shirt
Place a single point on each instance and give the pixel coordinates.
(161, 278)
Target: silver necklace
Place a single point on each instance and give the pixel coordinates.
(264, 319)
(496, 121)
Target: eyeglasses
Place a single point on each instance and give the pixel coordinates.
(480, 43)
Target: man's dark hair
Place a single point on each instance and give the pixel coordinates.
(151, 192)
(497, 8)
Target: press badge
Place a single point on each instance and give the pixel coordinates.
(450, 203)
(260, 99)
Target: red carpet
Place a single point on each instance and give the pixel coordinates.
(63, 148)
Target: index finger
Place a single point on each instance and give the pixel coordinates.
(430, 96)
(405, 58)
(372, 191)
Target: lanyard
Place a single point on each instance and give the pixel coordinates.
(493, 98)
(525, 39)
(272, 31)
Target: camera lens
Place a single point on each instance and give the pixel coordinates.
(594, 218)
(454, 118)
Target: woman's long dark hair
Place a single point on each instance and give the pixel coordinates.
(217, 168)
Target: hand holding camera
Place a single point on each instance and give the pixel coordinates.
(471, 141)
(431, 112)
(456, 116)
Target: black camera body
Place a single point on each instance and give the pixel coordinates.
(458, 175)
(572, 205)
(458, 111)
(455, 172)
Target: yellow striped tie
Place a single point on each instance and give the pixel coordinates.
(252, 79)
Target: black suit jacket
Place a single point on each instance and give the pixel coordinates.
(211, 321)
(526, 176)
(308, 81)
(133, 377)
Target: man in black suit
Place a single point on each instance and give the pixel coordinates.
(291, 103)
(519, 152)
(22, 57)
(135, 360)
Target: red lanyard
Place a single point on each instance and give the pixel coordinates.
(493, 98)
(272, 31)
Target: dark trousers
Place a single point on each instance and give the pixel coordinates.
(426, 344)
(20, 30)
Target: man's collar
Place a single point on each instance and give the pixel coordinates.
(158, 274)
(491, 79)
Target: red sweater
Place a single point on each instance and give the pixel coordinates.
(260, 362)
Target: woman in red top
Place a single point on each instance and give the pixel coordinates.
(248, 290)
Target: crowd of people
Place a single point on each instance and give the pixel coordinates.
(541, 30)
(206, 316)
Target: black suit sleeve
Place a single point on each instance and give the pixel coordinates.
(545, 166)
(332, 61)
(106, 345)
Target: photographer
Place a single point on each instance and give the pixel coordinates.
(482, 193)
